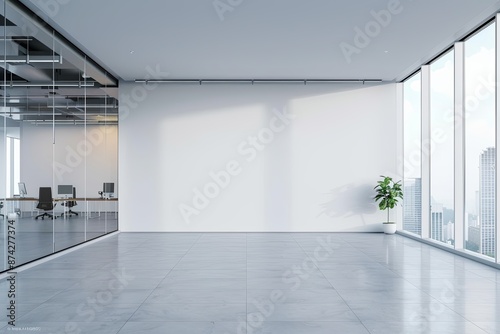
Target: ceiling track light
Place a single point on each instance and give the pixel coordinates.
(49, 84)
(254, 81)
(84, 106)
(30, 59)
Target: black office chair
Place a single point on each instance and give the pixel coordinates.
(45, 202)
(70, 204)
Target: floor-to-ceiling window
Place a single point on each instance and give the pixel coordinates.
(480, 149)
(456, 143)
(442, 121)
(412, 205)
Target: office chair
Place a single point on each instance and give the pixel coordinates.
(45, 202)
(70, 204)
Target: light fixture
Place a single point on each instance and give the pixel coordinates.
(110, 106)
(14, 100)
(31, 59)
(252, 81)
(49, 84)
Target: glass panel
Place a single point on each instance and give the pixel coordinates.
(29, 155)
(71, 147)
(55, 119)
(412, 204)
(442, 149)
(109, 128)
(480, 150)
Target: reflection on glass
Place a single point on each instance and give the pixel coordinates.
(58, 127)
(480, 150)
(412, 203)
(442, 220)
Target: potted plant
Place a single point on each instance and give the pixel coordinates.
(388, 195)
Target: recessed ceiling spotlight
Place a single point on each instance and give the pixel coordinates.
(132, 52)
(386, 51)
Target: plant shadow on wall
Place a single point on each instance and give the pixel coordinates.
(349, 200)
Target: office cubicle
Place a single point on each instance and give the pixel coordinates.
(58, 126)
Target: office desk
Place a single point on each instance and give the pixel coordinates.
(98, 204)
(12, 201)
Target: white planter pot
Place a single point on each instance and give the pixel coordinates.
(389, 228)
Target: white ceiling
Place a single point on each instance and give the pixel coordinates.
(259, 39)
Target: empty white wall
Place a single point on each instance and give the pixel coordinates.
(236, 157)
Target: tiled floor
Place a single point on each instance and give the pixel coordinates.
(38, 238)
(279, 283)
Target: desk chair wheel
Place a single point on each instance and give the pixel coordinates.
(45, 214)
(69, 213)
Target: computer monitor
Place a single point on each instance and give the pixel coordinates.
(22, 189)
(65, 190)
(108, 188)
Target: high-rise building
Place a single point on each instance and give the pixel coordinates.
(437, 222)
(473, 239)
(487, 201)
(412, 206)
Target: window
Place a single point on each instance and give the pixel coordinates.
(412, 204)
(442, 121)
(480, 149)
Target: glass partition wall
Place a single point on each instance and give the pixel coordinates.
(452, 152)
(58, 142)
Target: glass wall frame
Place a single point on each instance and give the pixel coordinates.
(59, 114)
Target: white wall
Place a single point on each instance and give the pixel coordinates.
(312, 172)
(82, 161)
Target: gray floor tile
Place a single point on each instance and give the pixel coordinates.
(81, 311)
(386, 295)
(299, 327)
(306, 296)
(478, 312)
(489, 327)
(300, 312)
(102, 296)
(263, 282)
(427, 327)
(66, 327)
(406, 312)
(196, 296)
(189, 283)
(370, 283)
(189, 312)
(179, 327)
(208, 273)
